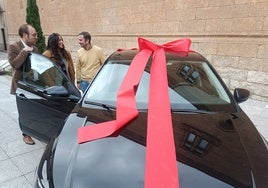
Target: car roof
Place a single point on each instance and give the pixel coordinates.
(128, 54)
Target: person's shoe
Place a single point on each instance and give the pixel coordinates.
(28, 140)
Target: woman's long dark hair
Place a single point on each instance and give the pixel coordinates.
(53, 46)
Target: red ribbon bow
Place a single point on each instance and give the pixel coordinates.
(161, 164)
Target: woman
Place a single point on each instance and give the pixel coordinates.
(57, 53)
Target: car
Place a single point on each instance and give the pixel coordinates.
(216, 143)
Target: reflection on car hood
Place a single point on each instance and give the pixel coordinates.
(208, 148)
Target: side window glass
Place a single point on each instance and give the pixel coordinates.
(40, 72)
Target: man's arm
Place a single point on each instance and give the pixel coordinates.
(102, 56)
(16, 58)
(78, 71)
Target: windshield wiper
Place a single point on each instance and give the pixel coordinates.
(108, 107)
(194, 111)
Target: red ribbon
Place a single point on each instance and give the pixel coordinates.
(161, 164)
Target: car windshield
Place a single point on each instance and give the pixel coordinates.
(192, 86)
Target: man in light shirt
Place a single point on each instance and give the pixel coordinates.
(17, 54)
(88, 61)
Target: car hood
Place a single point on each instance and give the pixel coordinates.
(227, 159)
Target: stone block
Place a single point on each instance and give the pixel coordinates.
(248, 24)
(218, 25)
(197, 3)
(238, 49)
(265, 27)
(259, 90)
(233, 74)
(238, 84)
(263, 51)
(249, 63)
(208, 13)
(192, 26)
(259, 9)
(223, 61)
(225, 49)
(244, 49)
(221, 3)
(206, 48)
(258, 77)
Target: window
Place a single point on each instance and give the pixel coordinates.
(40, 72)
(196, 144)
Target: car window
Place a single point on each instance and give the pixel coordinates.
(40, 72)
(192, 85)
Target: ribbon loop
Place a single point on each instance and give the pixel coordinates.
(181, 46)
(161, 165)
(145, 44)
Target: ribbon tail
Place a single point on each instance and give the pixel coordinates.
(87, 133)
(161, 160)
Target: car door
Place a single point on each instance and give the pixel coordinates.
(45, 97)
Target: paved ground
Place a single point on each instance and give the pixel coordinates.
(18, 161)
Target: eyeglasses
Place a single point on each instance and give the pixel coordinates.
(34, 34)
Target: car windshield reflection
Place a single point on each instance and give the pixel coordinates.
(192, 86)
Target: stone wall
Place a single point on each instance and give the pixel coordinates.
(3, 33)
(231, 34)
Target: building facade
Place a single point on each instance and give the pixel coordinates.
(3, 26)
(231, 34)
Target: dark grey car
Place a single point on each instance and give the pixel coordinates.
(216, 143)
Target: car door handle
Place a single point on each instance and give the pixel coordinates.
(43, 93)
(21, 96)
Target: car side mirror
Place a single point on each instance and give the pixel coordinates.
(241, 95)
(56, 91)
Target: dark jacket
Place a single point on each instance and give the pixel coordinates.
(16, 57)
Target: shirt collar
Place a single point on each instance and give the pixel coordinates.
(24, 44)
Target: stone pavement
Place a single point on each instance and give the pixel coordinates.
(18, 161)
(257, 111)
